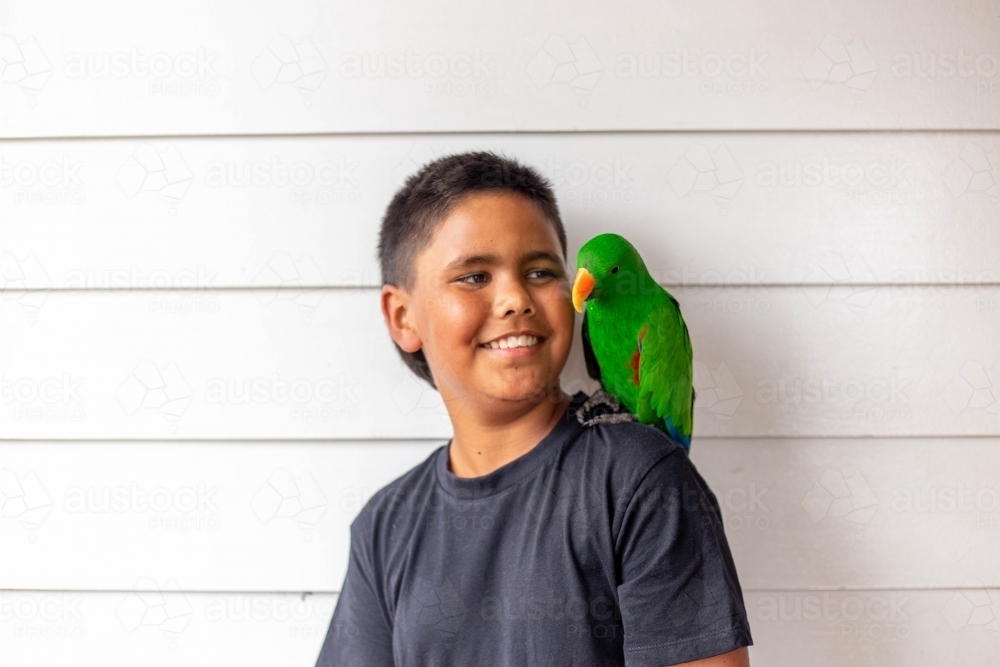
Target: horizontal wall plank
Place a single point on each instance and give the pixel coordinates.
(845, 628)
(229, 517)
(785, 361)
(159, 627)
(225, 68)
(885, 628)
(890, 628)
(862, 513)
(704, 209)
(799, 514)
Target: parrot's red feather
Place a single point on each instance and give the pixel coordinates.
(634, 361)
(634, 365)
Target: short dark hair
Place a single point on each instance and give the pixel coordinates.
(429, 195)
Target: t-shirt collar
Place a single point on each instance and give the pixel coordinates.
(511, 473)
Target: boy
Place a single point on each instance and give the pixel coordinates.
(535, 537)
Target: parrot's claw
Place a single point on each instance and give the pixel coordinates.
(603, 408)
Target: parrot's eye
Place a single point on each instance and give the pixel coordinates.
(614, 269)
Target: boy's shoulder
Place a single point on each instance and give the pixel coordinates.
(610, 429)
(404, 493)
(622, 457)
(639, 445)
(608, 443)
(623, 454)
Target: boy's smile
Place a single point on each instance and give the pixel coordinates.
(515, 344)
(490, 306)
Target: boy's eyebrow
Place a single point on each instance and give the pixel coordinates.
(492, 259)
(542, 254)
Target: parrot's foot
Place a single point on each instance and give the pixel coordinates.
(603, 408)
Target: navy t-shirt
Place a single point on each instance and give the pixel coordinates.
(602, 545)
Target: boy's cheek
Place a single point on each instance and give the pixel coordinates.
(456, 315)
(562, 317)
(561, 291)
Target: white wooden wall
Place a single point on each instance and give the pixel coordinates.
(200, 216)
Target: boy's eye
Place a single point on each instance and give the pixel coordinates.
(544, 272)
(467, 279)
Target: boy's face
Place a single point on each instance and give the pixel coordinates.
(492, 269)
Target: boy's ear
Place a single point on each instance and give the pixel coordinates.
(396, 311)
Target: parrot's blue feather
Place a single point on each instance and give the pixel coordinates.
(675, 433)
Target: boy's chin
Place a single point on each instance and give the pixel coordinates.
(528, 389)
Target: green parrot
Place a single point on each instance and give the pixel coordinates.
(635, 341)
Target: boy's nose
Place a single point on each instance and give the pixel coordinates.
(513, 297)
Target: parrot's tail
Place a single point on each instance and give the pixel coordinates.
(675, 433)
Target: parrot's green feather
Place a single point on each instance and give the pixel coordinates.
(665, 371)
(635, 339)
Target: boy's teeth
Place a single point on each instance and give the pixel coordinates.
(513, 341)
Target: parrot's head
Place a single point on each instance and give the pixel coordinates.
(608, 267)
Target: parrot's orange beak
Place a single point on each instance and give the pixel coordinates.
(583, 285)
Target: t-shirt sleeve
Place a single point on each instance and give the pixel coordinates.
(679, 596)
(360, 632)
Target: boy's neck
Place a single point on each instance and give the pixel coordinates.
(482, 443)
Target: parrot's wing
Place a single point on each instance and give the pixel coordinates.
(593, 368)
(666, 374)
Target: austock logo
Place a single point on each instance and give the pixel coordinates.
(975, 606)
(185, 507)
(716, 390)
(862, 616)
(461, 64)
(974, 388)
(274, 389)
(45, 399)
(745, 508)
(49, 182)
(284, 61)
(835, 495)
(307, 615)
(418, 155)
(335, 172)
(297, 280)
(689, 65)
(158, 171)
(843, 280)
(607, 181)
(136, 64)
(733, 74)
(297, 498)
(23, 499)
(975, 171)
(151, 607)
(324, 399)
(185, 73)
(23, 64)
(413, 397)
(558, 61)
(704, 172)
(23, 279)
(438, 607)
(837, 63)
(945, 65)
(311, 182)
(149, 387)
(42, 615)
(889, 175)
